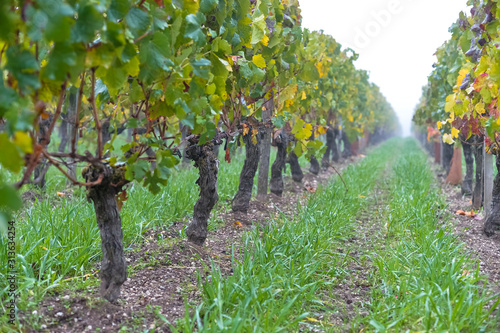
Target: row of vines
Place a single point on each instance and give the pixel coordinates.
(184, 77)
(460, 101)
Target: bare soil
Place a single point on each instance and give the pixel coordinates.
(470, 230)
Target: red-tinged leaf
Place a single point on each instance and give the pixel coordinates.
(227, 158)
(310, 189)
(246, 129)
(121, 198)
(460, 212)
(471, 214)
(186, 87)
(160, 3)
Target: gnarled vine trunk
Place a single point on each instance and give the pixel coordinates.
(208, 167)
(347, 146)
(276, 184)
(330, 143)
(296, 170)
(469, 164)
(241, 200)
(477, 195)
(265, 153)
(493, 221)
(113, 266)
(335, 147)
(314, 169)
(447, 156)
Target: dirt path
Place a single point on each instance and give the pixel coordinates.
(470, 230)
(353, 294)
(163, 272)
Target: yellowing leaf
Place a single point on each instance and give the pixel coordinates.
(23, 141)
(454, 132)
(312, 319)
(447, 138)
(480, 108)
(304, 96)
(254, 136)
(265, 40)
(439, 125)
(320, 68)
(350, 118)
(245, 129)
(259, 61)
(461, 76)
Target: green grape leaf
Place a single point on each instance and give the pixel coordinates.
(89, 21)
(258, 29)
(193, 28)
(10, 157)
(23, 66)
(153, 180)
(138, 21)
(201, 68)
(118, 9)
(9, 197)
(207, 6)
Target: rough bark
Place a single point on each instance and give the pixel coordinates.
(347, 146)
(43, 126)
(330, 144)
(477, 195)
(295, 169)
(314, 169)
(469, 164)
(241, 200)
(184, 135)
(63, 133)
(113, 266)
(447, 156)
(493, 221)
(335, 147)
(208, 167)
(71, 116)
(106, 133)
(265, 155)
(276, 184)
(217, 151)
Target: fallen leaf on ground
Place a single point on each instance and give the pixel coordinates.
(310, 189)
(237, 224)
(471, 214)
(460, 212)
(61, 194)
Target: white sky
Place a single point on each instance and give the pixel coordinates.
(399, 42)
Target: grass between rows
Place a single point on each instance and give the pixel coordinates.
(425, 279)
(285, 267)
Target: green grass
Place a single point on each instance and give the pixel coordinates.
(425, 280)
(284, 268)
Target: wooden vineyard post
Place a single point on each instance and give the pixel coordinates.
(455, 175)
(437, 151)
(361, 144)
(488, 181)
